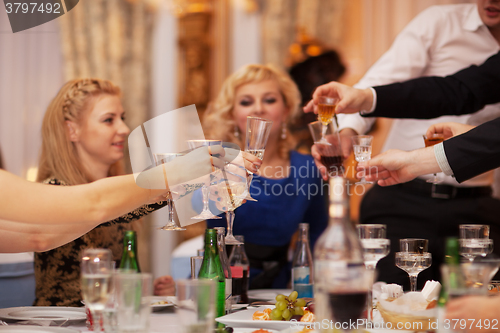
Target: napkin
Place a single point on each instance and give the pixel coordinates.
(431, 290)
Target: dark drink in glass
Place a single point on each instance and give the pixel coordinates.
(347, 306)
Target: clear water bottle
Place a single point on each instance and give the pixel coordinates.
(338, 259)
(302, 264)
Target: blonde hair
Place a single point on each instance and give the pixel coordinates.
(59, 157)
(219, 121)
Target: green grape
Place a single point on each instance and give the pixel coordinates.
(287, 318)
(293, 296)
(300, 302)
(286, 314)
(275, 314)
(292, 311)
(280, 297)
(281, 305)
(298, 311)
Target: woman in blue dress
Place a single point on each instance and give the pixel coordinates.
(288, 187)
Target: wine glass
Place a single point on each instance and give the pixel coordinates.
(258, 130)
(473, 231)
(231, 194)
(375, 245)
(432, 140)
(159, 160)
(331, 153)
(96, 270)
(326, 113)
(413, 258)
(205, 214)
(362, 146)
(344, 297)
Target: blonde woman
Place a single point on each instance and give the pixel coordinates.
(83, 136)
(287, 186)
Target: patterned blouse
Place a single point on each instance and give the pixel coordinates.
(57, 271)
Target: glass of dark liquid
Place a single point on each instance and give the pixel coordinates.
(330, 151)
(347, 295)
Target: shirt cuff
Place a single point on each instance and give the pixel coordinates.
(442, 160)
(374, 104)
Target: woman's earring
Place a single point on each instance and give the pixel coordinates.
(236, 131)
(283, 130)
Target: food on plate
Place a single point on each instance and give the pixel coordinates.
(261, 330)
(287, 308)
(261, 315)
(160, 303)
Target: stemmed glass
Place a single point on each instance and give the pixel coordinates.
(432, 140)
(413, 258)
(159, 160)
(232, 194)
(474, 241)
(96, 270)
(331, 153)
(362, 146)
(258, 130)
(205, 213)
(326, 113)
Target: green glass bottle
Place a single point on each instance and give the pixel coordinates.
(452, 259)
(211, 268)
(129, 256)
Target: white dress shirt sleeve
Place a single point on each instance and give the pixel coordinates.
(442, 160)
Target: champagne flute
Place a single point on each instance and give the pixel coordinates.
(413, 258)
(231, 195)
(432, 140)
(362, 146)
(326, 113)
(258, 130)
(205, 214)
(331, 153)
(96, 269)
(159, 160)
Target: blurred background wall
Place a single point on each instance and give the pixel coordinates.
(165, 54)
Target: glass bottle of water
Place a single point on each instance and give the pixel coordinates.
(302, 264)
(129, 257)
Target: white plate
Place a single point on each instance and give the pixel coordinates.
(251, 330)
(244, 319)
(267, 294)
(57, 314)
(36, 329)
(170, 301)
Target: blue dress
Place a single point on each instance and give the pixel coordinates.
(269, 223)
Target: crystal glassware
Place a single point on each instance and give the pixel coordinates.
(362, 146)
(159, 160)
(432, 140)
(231, 194)
(205, 213)
(413, 258)
(258, 130)
(326, 113)
(331, 152)
(96, 269)
(375, 244)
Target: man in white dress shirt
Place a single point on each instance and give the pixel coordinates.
(439, 41)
